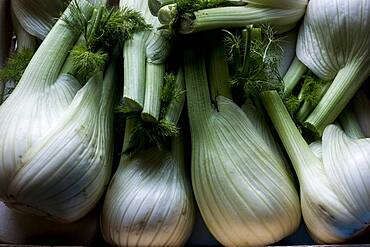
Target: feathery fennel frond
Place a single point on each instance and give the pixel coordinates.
(16, 65)
(170, 92)
(146, 134)
(292, 103)
(258, 61)
(108, 28)
(86, 63)
(312, 87)
(78, 21)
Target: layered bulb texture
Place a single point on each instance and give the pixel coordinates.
(65, 173)
(346, 163)
(341, 177)
(242, 187)
(333, 175)
(149, 200)
(56, 136)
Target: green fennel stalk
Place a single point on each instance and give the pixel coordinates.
(187, 17)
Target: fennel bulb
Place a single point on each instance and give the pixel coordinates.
(149, 200)
(334, 177)
(38, 101)
(334, 43)
(65, 173)
(243, 191)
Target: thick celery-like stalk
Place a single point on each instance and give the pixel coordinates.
(153, 86)
(144, 58)
(293, 75)
(296, 147)
(134, 66)
(219, 73)
(231, 17)
(346, 83)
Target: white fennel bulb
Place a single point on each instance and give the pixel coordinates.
(334, 43)
(149, 200)
(65, 173)
(39, 100)
(334, 177)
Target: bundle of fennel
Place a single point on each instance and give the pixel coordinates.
(333, 175)
(149, 200)
(250, 70)
(144, 65)
(56, 128)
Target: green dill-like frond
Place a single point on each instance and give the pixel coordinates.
(168, 129)
(292, 104)
(77, 22)
(259, 72)
(86, 63)
(168, 88)
(170, 92)
(233, 44)
(16, 65)
(146, 134)
(107, 28)
(118, 25)
(125, 111)
(272, 49)
(312, 87)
